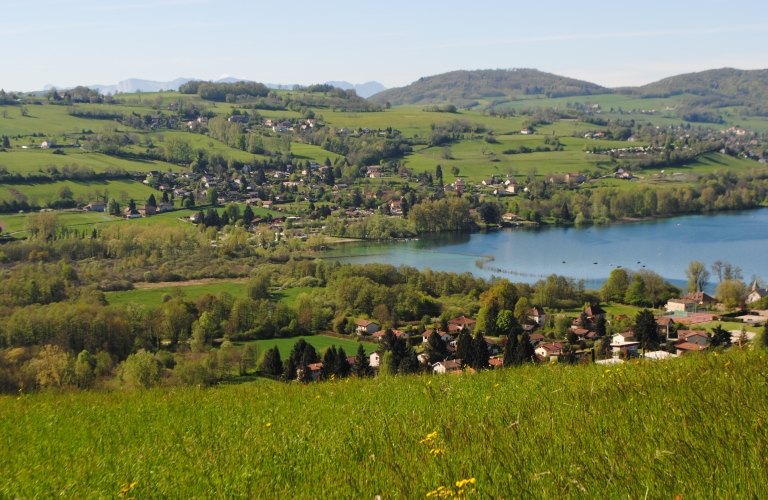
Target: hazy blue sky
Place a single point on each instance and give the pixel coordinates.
(395, 42)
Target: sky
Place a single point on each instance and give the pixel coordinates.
(394, 42)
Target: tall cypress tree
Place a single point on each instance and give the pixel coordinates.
(600, 326)
(362, 366)
(480, 354)
(509, 350)
(464, 348)
(524, 352)
(343, 368)
(248, 214)
(646, 329)
(330, 360)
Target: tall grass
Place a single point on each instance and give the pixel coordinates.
(694, 427)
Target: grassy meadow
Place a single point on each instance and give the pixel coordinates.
(319, 342)
(688, 428)
(153, 296)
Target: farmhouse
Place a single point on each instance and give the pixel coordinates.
(96, 206)
(147, 210)
(450, 366)
(537, 315)
(443, 335)
(132, 214)
(680, 305)
(549, 351)
(375, 359)
(698, 337)
(701, 298)
(366, 327)
(463, 323)
(575, 177)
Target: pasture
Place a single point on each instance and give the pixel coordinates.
(319, 342)
(638, 430)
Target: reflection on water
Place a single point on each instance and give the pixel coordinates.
(526, 254)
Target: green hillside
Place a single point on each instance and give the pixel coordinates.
(690, 428)
(464, 87)
(724, 83)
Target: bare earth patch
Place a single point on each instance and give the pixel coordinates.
(171, 284)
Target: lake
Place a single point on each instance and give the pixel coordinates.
(527, 254)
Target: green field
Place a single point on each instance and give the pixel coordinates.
(689, 428)
(154, 296)
(319, 342)
(26, 161)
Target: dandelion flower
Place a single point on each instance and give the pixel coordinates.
(269, 424)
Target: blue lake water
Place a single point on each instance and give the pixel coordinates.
(527, 254)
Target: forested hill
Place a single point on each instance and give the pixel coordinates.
(462, 88)
(724, 83)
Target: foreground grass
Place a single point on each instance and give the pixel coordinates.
(694, 427)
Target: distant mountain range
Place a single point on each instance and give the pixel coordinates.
(134, 84)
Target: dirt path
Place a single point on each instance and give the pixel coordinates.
(173, 284)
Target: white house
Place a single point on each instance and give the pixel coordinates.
(625, 348)
(450, 366)
(681, 305)
(536, 314)
(96, 206)
(375, 359)
(443, 335)
(549, 351)
(366, 327)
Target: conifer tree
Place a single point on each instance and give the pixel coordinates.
(524, 352)
(720, 336)
(646, 329)
(600, 326)
(330, 360)
(436, 350)
(509, 350)
(362, 366)
(464, 348)
(479, 352)
(248, 215)
(151, 201)
(564, 213)
(343, 368)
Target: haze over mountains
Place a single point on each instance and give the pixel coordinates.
(135, 84)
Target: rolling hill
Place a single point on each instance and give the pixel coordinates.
(715, 88)
(465, 87)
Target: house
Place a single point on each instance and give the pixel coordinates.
(659, 355)
(594, 312)
(268, 123)
(164, 207)
(526, 131)
(96, 206)
(194, 218)
(686, 347)
(450, 366)
(443, 335)
(496, 363)
(462, 323)
(147, 210)
(701, 298)
(365, 327)
(311, 122)
(488, 182)
(756, 294)
(625, 349)
(375, 359)
(493, 347)
(664, 325)
(508, 217)
(374, 175)
(680, 305)
(267, 204)
(581, 333)
(315, 371)
(238, 119)
(47, 144)
(698, 337)
(575, 177)
(623, 337)
(536, 338)
(536, 314)
(512, 188)
(132, 214)
(549, 351)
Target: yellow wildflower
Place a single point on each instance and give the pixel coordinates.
(269, 424)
